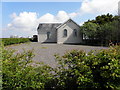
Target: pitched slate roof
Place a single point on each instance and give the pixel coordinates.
(53, 26)
(66, 22)
(48, 26)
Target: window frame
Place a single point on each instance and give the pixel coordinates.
(65, 33)
(75, 33)
(48, 35)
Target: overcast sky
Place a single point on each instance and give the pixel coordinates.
(22, 18)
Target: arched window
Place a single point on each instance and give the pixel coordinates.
(75, 32)
(65, 33)
(48, 35)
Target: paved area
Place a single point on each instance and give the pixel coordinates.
(46, 52)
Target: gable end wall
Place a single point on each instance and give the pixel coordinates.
(70, 26)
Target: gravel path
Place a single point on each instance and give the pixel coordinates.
(46, 52)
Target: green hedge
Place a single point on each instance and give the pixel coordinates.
(19, 74)
(9, 41)
(77, 70)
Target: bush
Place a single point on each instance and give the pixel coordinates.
(95, 70)
(76, 70)
(19, 72)
(9, 41)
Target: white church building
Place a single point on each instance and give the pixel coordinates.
(60, 33)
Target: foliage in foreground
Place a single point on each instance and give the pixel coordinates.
(20, 73)
(95, 70)
(0, 67)
(9, 41)
(76, 70)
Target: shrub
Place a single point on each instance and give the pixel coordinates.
(76, 70)
(95, 70)
(19, 72)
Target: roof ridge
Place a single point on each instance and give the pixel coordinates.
(66, 22)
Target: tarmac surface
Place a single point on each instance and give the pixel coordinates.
(46, 52)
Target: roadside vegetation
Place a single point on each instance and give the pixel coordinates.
(76, 70)
(10, 41)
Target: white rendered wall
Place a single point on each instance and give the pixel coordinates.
(42, 34)
(70, 26)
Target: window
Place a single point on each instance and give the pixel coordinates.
(65, 33)
(75, 32)
(48, 35)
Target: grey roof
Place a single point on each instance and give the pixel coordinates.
(53, 26)
(66, 22)
(48, 26)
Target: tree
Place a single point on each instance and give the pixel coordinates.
(109, 32)
(102, 19)
(89, 29)
(104, 29)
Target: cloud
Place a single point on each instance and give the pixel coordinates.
(27, 22)
(46, 18)
(59, 18)
(62, 15)
(99, 6)
(74, 14)
(89, 9)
